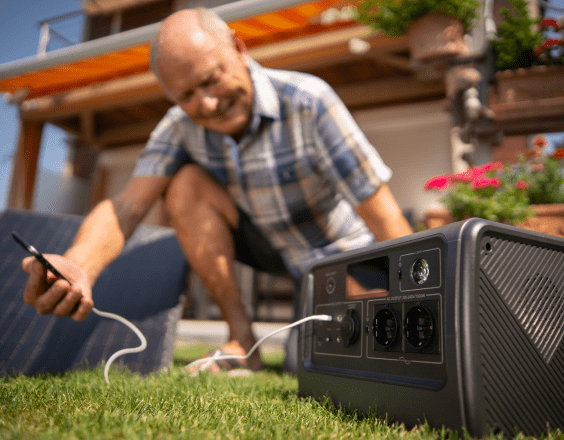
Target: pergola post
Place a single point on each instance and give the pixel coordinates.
(25, 164)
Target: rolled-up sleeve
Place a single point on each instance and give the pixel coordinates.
(165, 152)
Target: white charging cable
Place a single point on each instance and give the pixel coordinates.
(119, 353)
(209, 360)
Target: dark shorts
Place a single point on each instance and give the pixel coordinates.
(252, 248)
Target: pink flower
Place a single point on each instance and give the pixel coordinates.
(469, 175)
(493, 166)
(521, 184)
(439, 183)
(463, 176)
(486, 182)
(547, 22)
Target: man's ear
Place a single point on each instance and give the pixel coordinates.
(239, 44)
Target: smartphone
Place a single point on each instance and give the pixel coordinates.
(38, 256)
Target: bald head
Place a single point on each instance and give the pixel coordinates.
(183, 31)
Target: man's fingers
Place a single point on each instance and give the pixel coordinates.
(26, 264)
(50, 295)
(47, 302)
(36, 283)
(84, 308)
(69, 302)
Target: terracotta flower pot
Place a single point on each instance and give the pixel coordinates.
(435, 36)
(549, 219)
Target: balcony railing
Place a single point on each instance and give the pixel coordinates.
(52, 29)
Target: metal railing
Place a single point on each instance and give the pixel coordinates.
(46, 31)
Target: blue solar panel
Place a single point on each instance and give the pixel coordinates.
(144, 285)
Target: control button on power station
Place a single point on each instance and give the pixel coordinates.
(420, 271)
(350, 327)
(330, 285)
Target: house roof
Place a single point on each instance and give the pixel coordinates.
(127, 53)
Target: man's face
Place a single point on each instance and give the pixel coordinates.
(210, 81)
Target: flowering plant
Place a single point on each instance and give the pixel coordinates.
(501, 193)
(522, 41)
(394, 16)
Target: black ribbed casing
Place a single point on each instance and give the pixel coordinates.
(497, 360)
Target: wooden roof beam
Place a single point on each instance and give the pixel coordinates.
(112, 94)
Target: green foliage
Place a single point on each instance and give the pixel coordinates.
(546, 187)
(516, 38)
(394, 16)
(501, 193)
(505, 203)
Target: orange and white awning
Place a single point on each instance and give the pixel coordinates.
(127, 53)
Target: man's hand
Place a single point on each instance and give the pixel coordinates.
(49, 295)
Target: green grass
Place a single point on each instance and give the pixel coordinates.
(171, 405)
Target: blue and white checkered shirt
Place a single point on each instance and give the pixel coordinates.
(298, 173)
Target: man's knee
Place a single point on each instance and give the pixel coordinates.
(193, 187)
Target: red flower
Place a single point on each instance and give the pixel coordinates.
(439, 183)
(550, 43)
(486, 182)
(493, 166)
(559, 154)
(540, 142)
(521, 184)
(547, 22)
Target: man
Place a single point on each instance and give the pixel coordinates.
(254, 164)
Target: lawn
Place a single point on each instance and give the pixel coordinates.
(171, 405)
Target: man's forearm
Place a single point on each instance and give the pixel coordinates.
(102, 236)
(383, 215)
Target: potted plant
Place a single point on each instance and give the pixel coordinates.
(434, 27)
(529, 194)
(529, 56)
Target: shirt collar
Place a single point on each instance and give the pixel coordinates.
(265, 101)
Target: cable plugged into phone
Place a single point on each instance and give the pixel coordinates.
(203, 363)
(39, 257)
(206, 362)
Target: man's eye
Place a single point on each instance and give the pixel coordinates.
(210, 81)
(187, 96)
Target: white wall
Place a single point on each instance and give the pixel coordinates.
(59, 193)
(413, 141)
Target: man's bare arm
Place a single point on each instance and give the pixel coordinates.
(98, 242)
(383, 216)
(104, 232)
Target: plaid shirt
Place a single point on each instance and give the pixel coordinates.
(299, 171)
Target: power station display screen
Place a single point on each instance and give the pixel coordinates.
(368, 279)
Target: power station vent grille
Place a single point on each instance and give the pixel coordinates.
(530, 280)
